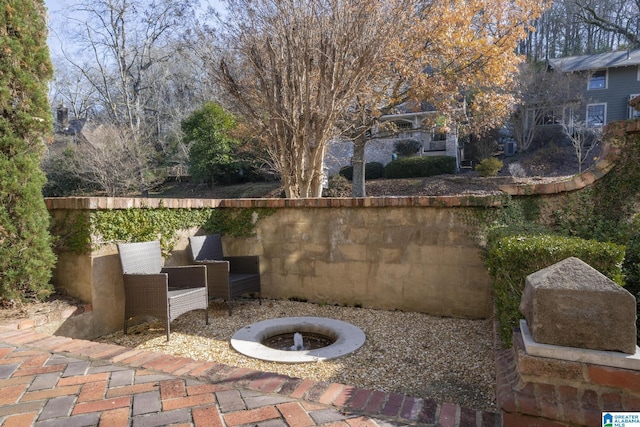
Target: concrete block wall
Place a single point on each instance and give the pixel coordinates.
(405, 258)
(413, 254)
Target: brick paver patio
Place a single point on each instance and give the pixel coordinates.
(57, 381)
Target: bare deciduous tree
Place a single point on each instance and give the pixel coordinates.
(127, 57)
(70, 89)
(294, 67)
(116, 46)
(109, 159)
(544, 98)
(613, 18)
(583, 27)
(583, 138)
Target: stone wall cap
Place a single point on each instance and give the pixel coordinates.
(614, 359)
(574, 274)
(572, 304)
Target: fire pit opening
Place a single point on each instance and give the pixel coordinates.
(295, 341)
(298, 339)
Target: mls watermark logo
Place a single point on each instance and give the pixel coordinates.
(621, 419)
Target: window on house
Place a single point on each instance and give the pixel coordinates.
(598, 80)
(596, 114)
(402, 125)
(633, 113)
(438, 135)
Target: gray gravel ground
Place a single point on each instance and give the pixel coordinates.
(445, 359)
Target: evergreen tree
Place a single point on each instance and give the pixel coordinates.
(26, 255)
(207, 130)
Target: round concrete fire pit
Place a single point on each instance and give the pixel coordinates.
(346, 339)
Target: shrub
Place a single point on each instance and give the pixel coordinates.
(407, 147)
(347, 173)
(62, 179)
(26, 255)
(420, 166)
(511, 258)
(516, 169)
(339, 186)
(489, 166)
(372, 170)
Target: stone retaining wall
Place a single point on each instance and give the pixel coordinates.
(411, 254)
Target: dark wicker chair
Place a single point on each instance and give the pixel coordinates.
(164, 293)
(227, 277)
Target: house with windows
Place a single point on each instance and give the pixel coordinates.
(418, 123)
(411, 123)
(613, 80)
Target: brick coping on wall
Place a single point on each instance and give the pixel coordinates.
(506, 185)
(95, 203)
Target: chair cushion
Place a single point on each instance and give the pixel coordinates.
(175, 292)
(242, 278)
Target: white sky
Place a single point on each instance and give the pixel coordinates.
(56, 5)
(53, 4)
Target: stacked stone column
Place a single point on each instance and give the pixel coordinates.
(575, 355)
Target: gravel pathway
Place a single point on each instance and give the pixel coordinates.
(445, 359)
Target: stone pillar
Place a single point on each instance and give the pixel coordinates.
(572, 304)
(575, 357)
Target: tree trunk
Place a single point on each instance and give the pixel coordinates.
(358, 183)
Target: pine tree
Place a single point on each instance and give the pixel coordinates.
(26, 254)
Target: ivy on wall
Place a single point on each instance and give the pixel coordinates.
(86, 231)
(502, 211)
(236, 222)
(71, 232)
(140, 225)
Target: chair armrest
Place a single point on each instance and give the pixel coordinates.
(152, 284)
(186, 276)
(217, 275)
(244, 264)
(215, 264)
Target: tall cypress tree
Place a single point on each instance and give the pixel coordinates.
(26, 254)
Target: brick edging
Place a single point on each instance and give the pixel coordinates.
(43, 319)
(602, 166)
(107, 203)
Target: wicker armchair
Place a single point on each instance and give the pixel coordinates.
(164, 293)
(227, 277)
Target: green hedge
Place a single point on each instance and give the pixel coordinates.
(420, 166)
(372, 170)
(511, 258)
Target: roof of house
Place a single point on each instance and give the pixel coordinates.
(621, 58)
